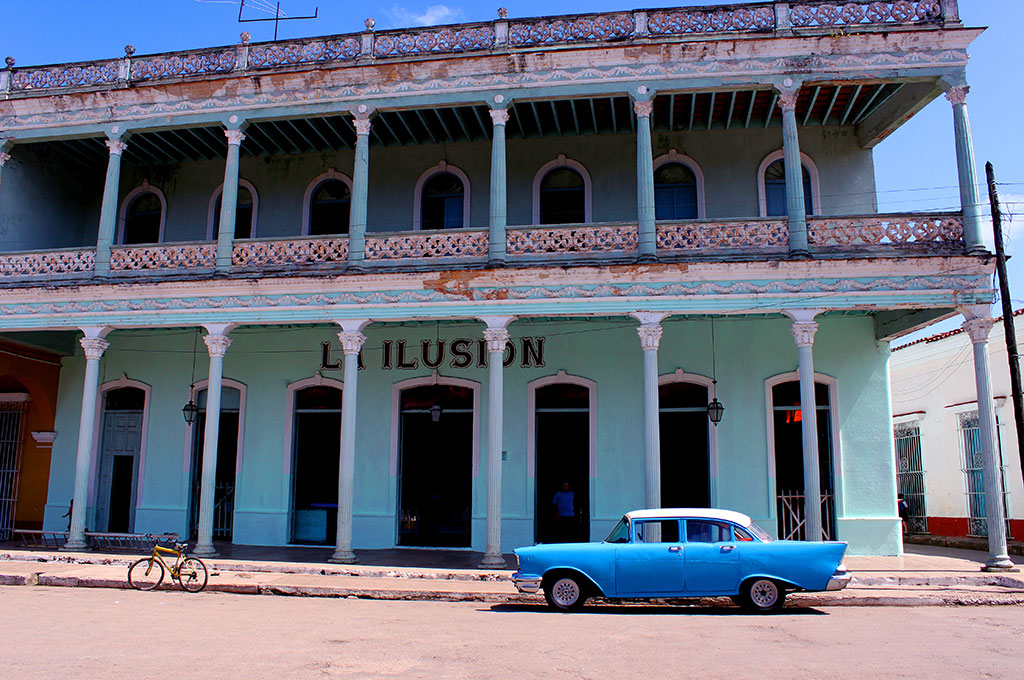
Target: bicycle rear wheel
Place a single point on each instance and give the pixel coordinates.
(192, 574)
(145, 574)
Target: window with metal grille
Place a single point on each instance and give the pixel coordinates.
(910, 480)
(972, 464)
(12, 422)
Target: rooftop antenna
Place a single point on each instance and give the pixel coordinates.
(277, 18)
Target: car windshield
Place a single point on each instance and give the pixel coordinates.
(620, 534)
(759, 532)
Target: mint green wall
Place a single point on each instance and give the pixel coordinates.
(48, 201)
(266, 359)
(57, 208)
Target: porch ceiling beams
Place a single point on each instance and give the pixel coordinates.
(818, 104)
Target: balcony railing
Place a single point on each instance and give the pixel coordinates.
(920, 234)
(502, 34)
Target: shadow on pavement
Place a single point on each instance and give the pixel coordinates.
(652, 610)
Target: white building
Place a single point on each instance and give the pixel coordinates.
(935, 419)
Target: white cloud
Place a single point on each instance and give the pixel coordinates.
(400, 16)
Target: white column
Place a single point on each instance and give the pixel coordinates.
(93, 345)
(650, 338)
(978, 325)
(217, 343)
(352, 340)
(804, 328)
(497, 336)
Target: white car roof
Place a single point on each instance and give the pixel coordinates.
(702, 513)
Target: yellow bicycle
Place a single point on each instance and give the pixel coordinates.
(148, 572)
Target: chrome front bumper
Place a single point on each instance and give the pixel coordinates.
(839, 580)
(526, 584)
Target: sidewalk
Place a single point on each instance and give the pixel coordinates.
(924, 576)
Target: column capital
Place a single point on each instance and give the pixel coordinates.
(351, 341)
(362, 126)
(499, 116)
(235, 137)
(787, 99)
(978, 328)
(94, 347)
(116, 146)
(650, 335)
(958, 95)
(643, 109)
(803, 332)
(217, 345)
(361, 119)
(496, 339)
(4, 157)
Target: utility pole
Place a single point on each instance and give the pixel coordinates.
(1008, 330)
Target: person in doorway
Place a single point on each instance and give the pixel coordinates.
(904, 512)
(565, 512)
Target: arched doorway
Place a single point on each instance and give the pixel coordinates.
(435, 465)
(787, 440)
(316, 449)
(227, 461)
(685, 444)
(563, 440)
(124, 410)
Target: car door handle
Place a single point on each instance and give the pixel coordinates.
(675, 548)
(727, 548)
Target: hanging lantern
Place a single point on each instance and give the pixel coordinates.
(435, 412)
(715, 411)
(190, 411)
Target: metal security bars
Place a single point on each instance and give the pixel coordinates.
(971, 462)
(910, 479)
(792, 520)
(12, 426)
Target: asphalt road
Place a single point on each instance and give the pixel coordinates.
(100, 633)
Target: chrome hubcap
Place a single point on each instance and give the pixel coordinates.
(764, 593)
(565, 592)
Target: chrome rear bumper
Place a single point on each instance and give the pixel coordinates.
(526, 584)
(839, 580)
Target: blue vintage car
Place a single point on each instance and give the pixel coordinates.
(678, 553)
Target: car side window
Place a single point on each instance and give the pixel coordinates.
(706, 531)
(742, 535)
(657, 531)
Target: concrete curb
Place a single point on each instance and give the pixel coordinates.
(845, 599)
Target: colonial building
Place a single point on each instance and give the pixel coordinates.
(425, 277)
(939, 459)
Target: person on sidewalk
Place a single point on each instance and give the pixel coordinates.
(565, 513)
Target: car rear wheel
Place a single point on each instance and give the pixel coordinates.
(565, 593)
(762, 595)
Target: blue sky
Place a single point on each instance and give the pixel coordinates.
(915, 168)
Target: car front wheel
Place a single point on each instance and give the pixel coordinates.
(565, 593)
(762, 595)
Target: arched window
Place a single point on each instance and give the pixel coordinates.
(245, 211)
(329, 208)
(675, 193)
(442, 202)
(142, 216)
(562, 193)
(771, 186)
(562, 197)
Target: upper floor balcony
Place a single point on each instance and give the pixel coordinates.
(662, 135)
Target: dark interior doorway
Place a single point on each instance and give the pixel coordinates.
(685, 445)
(315, 457)
(436, 466)
(563, 455)
(789, 466)
(227, 459)
(123, 410)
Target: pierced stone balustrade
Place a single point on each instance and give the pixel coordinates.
(762, 235)
(457, 243)
(931, 232)
(163, 256)
(563, 240)
(47, 263)
(280, 252)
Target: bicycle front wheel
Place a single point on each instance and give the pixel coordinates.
(192, 574)
(145, 574)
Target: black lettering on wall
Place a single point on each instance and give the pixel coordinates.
(402, 361)
(461, 356)
(325, 358)
(425, 354)
(510, 354)
(533, 352)
(481, 353)
(385, 361)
